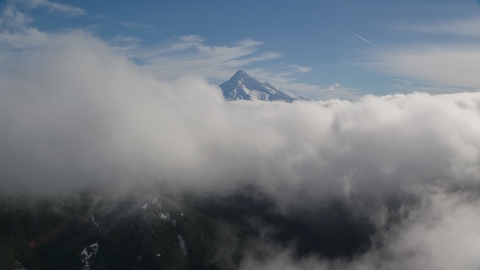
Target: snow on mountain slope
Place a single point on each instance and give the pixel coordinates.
(245, 87)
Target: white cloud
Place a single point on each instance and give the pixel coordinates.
(184, 130)
(144, 27)
(441, 233)
(29, 37)
(126, 39)
(15, 32)
(55, 7)
(124, 44)
(178, 56)
(449, 66)
(284, 78)
(190, 55)
(458, 27)
(301, 68)
(11, 17)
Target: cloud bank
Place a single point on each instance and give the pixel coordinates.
(73, 102)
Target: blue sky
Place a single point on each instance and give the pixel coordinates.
(318, 49)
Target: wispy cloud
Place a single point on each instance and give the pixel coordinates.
(139, 26)
(191, 55)
(285, 79)
(455, 67)
(301, 68)
(446, 65)
(127, 39)
(15, 30)
(458, 27)
(124, 44)
(29, 37)
(55, 7)
(11, 17)
(179, 56)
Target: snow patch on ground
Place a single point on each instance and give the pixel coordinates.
(19, 266)
(182, 244)
(93, 219)
(245, 89)
(87, 255)
(257, 95)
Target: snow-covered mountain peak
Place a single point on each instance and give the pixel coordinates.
(240, 73)
(242, 86)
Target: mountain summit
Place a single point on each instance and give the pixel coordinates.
(245, 87)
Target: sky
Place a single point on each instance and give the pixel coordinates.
(120, 96)
(318, 49)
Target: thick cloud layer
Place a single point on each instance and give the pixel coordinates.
(73, 113)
